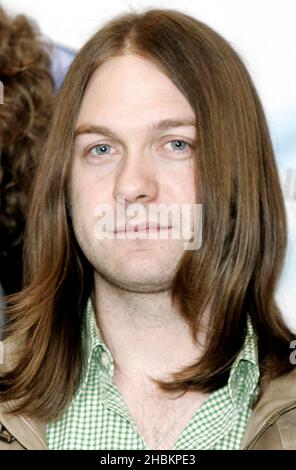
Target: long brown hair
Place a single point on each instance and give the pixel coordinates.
(244, 226)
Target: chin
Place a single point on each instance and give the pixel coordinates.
(147, 285)
(136, 278)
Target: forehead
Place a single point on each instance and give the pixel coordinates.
(134, 88)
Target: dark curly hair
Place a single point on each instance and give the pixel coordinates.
(25, 72)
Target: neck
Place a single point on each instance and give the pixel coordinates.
(145, 332)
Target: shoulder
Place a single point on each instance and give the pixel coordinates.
(17, 432)
(281, 435)
(7, 440)
(273, 421)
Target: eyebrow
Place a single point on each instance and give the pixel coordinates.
(155, 126)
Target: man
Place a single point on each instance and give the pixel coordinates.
(121, 340)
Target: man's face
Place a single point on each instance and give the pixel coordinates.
(131, 154)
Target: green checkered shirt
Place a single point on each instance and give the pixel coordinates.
(97, 418)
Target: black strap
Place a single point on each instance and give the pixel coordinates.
(5, 435)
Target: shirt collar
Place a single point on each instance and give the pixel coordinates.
(244, 373)
(93, 336)
(94, 349)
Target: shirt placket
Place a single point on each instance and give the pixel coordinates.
(111, 397)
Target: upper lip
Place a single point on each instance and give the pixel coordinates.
(140, 226)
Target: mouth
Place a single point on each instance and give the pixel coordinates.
(145, 227)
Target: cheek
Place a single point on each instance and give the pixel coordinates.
(189, 183)
(86, 190)
(86, 199)
(82, 204)
(181, 186)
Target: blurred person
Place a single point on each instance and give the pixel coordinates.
(138, 343)
(25, 71)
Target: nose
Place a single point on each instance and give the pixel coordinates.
(136, 180)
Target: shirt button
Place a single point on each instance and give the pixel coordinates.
(104, 359)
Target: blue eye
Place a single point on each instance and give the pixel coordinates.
(179, 144)
(102, 149)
